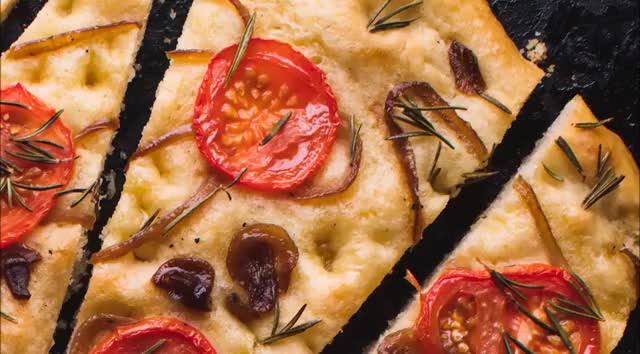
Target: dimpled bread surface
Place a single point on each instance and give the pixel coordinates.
(590, 239)
(86, 78)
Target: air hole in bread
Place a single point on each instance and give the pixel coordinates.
(91, 76)
(65, 7)
(327, 251)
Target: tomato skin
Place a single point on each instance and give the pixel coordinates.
(137, 337)
(501, 313)
(299, 149)
(17, 221)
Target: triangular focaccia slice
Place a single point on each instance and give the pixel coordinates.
(5, 8)
(591, 242)
(84, 72)
(346, 242)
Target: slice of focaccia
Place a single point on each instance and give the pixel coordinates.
(67, 59)
(325, 240)
(5, 8)
(553, 213)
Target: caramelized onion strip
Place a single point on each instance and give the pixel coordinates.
(179, 132)
(97, 126)
(311, 191)
(528, 196)
(155, 230)
(60, 40)
(88, 333)
(242, 10)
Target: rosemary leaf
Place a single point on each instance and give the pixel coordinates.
(434, 172)
(44, 127)
(495, 102)
(15, 104)
(36, 188)
(551, 173)
(152, 349)
(377, 24)
(566, 149)
(354, 135)
(8, 317)
(290, 329)
(434, 108)
(519, 344)
(574, 312)
(35, 157)
(592, 300)
(505, 341)
(150, 220)
(242, 48)
(276, 319)
(191, 209)
(407, 135)
(29, 147)
(47, 142)
(69, 191)
(276, 128)
(591, 125)
(607, 183)
(563, 335)
(85, 193)
(478, 176)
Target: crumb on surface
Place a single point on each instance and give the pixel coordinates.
(536, 50)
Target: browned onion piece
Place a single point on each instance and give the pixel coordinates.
(528, 196)
(154, 231)
(188, 280)
(260, 259)
(97, 126)
(63, 39)
(87, 335)
(16, 268)
(466, 71)
(179, 132)
(311, 191)
(191, 54)
(400, 342)
(242, 10)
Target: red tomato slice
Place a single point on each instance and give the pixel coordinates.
(177, 338)
(466, 312)
(15, 123)
(271, 81)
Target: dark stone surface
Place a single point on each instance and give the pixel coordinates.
(595, 46)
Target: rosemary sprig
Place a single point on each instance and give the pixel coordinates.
(566, 149)
(276, 128)
(242, 48)
(591, 125)
(6, 184)
(605, 185)
(376, 24)
(152, 349)
(477, 177)
(8, 317)
(506, 337)
(433, 108)
(435, 171)
(586, 294)
(85, 192)
(354, 135)
(290, 329)
(37, 188)
(561, 332)
(414, 117)
(494, 102)
(42, 128)
(579, 311)
(191, 209)
(14, 104)
(551, 173)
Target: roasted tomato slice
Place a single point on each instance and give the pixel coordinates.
(165, 335)
(36, 161)
(468, 312)
(231, 123)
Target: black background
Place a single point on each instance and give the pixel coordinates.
(594, 45)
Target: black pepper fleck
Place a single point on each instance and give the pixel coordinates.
(197, 240)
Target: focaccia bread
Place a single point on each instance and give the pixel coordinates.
(85, 72)
(347, 242)
(5, 8)
(591, 240)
